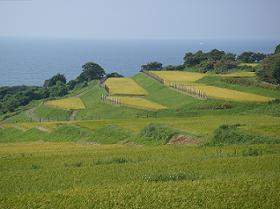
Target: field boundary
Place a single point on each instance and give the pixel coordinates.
(186, 89)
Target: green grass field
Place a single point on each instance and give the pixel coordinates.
(71, 175)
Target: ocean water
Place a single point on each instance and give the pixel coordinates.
(31, 61)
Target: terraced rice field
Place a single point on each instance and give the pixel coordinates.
(249, 64)
(240, 74)
(124, 86)
(72, 103)
(138, 102)
(178, 76)
(188, 78)
(232, 95)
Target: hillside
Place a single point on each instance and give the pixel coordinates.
(90, 115)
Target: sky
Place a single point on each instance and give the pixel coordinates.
(141, 19)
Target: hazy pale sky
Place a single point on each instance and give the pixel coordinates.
(141, 19)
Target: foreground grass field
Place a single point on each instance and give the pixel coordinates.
(72, 103)
(124, 86)
(70, 175)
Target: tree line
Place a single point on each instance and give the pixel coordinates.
(219, 61)
(13, 97)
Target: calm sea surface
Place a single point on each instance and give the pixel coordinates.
(31, 61)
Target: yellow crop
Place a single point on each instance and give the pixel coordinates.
(124, 86)
(240, 74)
(249, 64)
(137, 102)
(178, 76)
(228, 94)
(71, 103)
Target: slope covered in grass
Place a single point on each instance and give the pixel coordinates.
(162, 94)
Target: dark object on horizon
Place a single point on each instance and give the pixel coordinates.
(152, 66)
(277, 49)
(251, 57)
(114, 75)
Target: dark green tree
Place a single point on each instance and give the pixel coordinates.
(250, 57)
(215, 55)
(71, 84)
(53, 80)
(58, 90)
(114, 75)
(277, 49)
(91, 71)
(270, 71)
(152, 66)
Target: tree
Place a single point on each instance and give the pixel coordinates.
(215, 55)
(91, 71)
(114, 75)
(277, 49)
(152, 66)
(71, 84)
(270, 71)
(251, 57)
(229, 57)
(58, 90)
(191, 59)
(53, 80)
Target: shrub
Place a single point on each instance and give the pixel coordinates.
(158, 133)
(251, 152)
(230, 134)
(117, 160)
(180, 176)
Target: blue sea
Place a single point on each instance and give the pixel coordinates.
(31, 61)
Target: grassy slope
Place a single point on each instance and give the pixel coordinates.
(194, 116)
(161, 94)
(97, 109)
(72, 175)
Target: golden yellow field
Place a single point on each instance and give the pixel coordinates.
(124, 86)
(71, 103)
(228, 94)
(240, 74)
(249, 64)
(178, 76)
(138, 102)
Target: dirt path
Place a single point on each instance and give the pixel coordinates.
(73, 115)
(31, 114)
